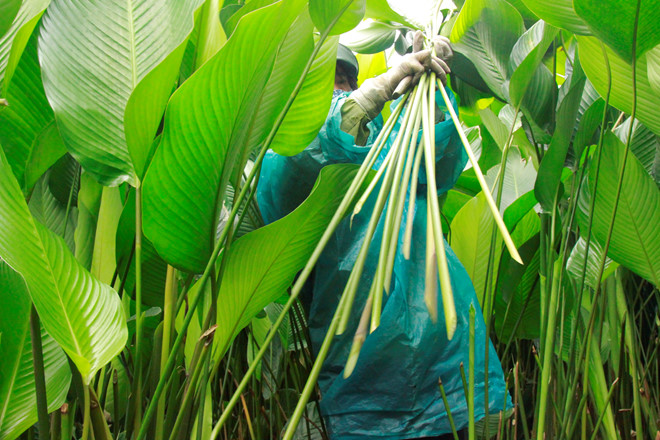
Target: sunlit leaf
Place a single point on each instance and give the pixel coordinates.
(262, 264)
(559, 13)
(370, 37)
(211, 112)
(83, 315)
(323, 13)
(594, 65)
(614, 23)
(18, 397)
(89, 77)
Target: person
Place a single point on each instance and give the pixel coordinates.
(393, 391)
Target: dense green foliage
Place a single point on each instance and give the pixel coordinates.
(131, 245)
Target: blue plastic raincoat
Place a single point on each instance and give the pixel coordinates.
(393, 392)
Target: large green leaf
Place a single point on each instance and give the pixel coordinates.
(381, 10)
(559, 13)
(370, 37)
(532, 84)
(8, 11)
(263, 263)
(83, 315)
(576, 262)
(519, 178)
(18, 406)
(323, 13)
(614, 23)
(549, 178)
(653, 68)
(94, 55)
(28, 132)
(471, 231)
(48, 211)
(13, 42)
(486, 32)
(635, 240)
(644, 145)
(310, 108)
(207, 124)
(594, 65)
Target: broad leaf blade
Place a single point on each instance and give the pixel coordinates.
(635, 240)
(262, 264)
(558, 13)
(323, 13)
(83, 315)
(93, 57)
(28, 132)
(14, 41)
(8, 11)
(18, 406)
(594, 65)
(209, 114)
(614, 23)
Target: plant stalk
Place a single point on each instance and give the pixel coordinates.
(39, 374)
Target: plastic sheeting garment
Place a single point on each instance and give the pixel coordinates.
(393, 392)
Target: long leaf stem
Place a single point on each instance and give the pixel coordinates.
(39, 374)
(169, 302)
(137, 383)
(482, 181)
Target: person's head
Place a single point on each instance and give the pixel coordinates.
(347, 70)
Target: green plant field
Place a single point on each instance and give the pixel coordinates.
(141, 295)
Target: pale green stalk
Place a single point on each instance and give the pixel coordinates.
(606, 409)
(86, 416)
(397, 200)
(431, 277)
(137, 375)
(407, 239)
(39, 374)
(168, 306)
(358, 267)
(482, 182)
(548, 344)
(471, 427)
(447, 409)
(388, 246)
(360, 336)
(428, 121)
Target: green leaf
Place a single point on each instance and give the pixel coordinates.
(215, 109)
(211, 35)
(614, 23)
(8, 11)
(27, 130)
(232, 22)
(485, 32)
(559, 13)
(372, 37)
(644, 145)
(262, 264)
(93, 57)
(471, 231)
(518, 297)
(47, 210)
(381, 10)
(635, 240)
(653, 68)
(549, 177)
(576, 263)
(154, 269)
(83, 315)
(310, 108)
(323, 12)
(594, 65)
(14, 41)
(18, 406)
(519, 178)
(532, 82)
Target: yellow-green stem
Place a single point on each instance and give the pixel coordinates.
(168, 306)
(482, 181)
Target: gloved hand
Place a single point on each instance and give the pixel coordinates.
(375, 92)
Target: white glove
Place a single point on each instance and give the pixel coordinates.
(375, 92)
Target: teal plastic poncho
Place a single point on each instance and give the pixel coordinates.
(393, 392)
